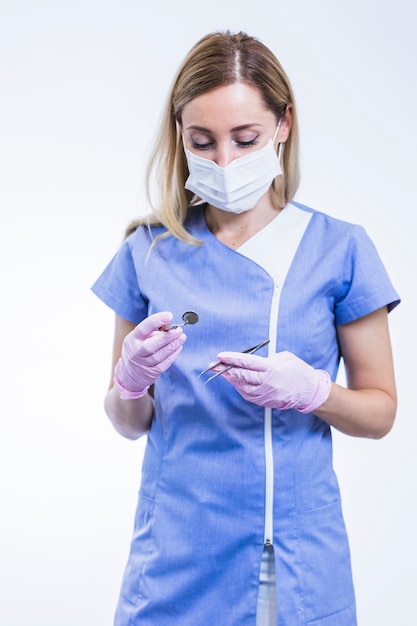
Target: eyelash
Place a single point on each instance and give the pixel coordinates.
(241, 144)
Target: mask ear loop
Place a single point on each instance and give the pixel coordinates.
(279, 153)
(280, 148)
(277, 131)
(280, 145)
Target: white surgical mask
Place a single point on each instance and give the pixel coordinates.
(238, 186)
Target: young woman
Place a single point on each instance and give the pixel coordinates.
(239, 519)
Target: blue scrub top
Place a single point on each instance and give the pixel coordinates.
(199, 529)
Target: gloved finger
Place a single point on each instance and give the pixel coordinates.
(159, 340)
(154, 348)
(168, 357)
(247, 361)
(152, 323)
(161, 352)
(241, 376)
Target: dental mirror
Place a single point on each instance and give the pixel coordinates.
(189, 317)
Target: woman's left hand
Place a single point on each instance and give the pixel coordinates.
(280, 381)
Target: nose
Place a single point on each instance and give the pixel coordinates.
(223, 154)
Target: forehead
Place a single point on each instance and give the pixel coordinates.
(229, 106)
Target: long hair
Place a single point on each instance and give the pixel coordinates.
(218, 59)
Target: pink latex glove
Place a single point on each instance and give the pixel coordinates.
(146, 353)
(280, 381)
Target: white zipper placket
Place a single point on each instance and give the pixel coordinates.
(273, 249)
(268, 444)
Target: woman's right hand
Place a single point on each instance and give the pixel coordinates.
(146, 353)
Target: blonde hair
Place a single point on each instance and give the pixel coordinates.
(218, 59)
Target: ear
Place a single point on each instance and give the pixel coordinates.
(285, 127)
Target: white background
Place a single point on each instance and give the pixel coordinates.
(82, 86)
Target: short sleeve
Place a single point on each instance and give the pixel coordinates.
(118, 286)
(366, 285)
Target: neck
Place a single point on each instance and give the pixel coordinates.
(234, 229)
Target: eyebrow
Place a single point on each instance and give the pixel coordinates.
(233, 130)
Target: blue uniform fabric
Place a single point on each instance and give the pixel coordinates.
(198, 537)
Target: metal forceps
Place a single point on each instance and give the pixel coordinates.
(228, 367)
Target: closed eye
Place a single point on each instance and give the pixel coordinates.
(202, 146)
(248, 144)
(208, 145)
